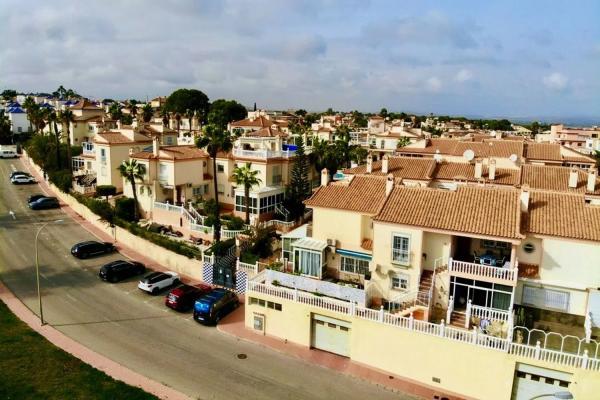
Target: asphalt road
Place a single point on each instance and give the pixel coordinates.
(137, 330)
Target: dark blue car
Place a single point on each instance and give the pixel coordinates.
(212, 307)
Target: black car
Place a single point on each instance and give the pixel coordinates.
(15, 173)
(35, 197)
(44, 203)
(118, 270)
(91, 248)
(212, 307)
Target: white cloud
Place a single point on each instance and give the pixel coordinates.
(463, 75)
(556, 81)
(433, 84)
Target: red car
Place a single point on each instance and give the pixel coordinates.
(182, 298)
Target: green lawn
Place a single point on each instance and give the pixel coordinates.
(33, 368)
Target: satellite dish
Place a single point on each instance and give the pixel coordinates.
(469, 155)
(513, 158)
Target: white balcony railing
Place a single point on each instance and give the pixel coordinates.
(263, 154)
(88, 148)
(483, 272)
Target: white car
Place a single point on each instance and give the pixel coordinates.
(17, 179)
(157, 281)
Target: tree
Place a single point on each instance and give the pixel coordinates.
(383, 112)
(66, 117)
(131, 171)
(299, 188)
(215, 140)
(8, 94)
(5, 129)
(402, 142)
(147, 113)
(224, 111)
(246, 177)
(187, 99)
(115, 111)
(30, 107)
(52, 117)
(301, 112)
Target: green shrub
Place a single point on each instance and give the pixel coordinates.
(63, 179)
(103, 209)
(235, 224)
(220, 248)
(249, 258)
(106, 190)
(124, 208)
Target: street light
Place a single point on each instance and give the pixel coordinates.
(37, 267)
(557, 395)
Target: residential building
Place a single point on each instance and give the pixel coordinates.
(18, 118)
(84, 112)
(571, 137)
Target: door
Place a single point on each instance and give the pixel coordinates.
(531, 381)
(332, 335)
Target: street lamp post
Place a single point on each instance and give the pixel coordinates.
(37, 268)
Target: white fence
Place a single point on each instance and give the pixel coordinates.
(306, 284)
(262, 154)
(483, 271)
(473, 337)
(490, 314)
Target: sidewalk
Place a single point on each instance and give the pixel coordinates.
(234, 325)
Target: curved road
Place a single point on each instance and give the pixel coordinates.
(137, 330)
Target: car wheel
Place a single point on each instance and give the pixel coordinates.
(113, 279)
(175, 282)
(82, 256)
(154, 291)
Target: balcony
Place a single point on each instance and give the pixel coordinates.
(263, 154)
(503, 275)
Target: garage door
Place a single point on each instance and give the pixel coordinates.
(531, 381)
(332, 335)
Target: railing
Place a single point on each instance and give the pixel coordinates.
(251, 269)
(450, 309)
(473, 337)
(489, 313)
(262, 154)
(208, 258)
(407, 300)
(88, 148)
(227, 234)
(201, 228)
(84, 189)
(199, 217)
(279, 224)
(483, 271)
(168, 207)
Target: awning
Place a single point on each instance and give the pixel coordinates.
(355, 254)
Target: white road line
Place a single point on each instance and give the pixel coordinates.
(43, 276)
(71, 297)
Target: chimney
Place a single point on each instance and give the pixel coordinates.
(134, 123)
(155, 146)
(369, 164)
(385, 164)
(524, 198)
(498, 134)
(389, 184)
(324, 177)
(492, 169)
(118, 124)
(591, 179)
(573, 178)
(478, 169)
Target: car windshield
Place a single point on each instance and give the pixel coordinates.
(203, 306)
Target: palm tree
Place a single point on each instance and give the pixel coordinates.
(147, 113)
(52, 117)
(178, 119)
(246, 177)
(215, 140)
(131, 170)
(189, 114)
(30, 107)
(66, 117)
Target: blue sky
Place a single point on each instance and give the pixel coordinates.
(509, 58)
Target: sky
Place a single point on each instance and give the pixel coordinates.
(477, 58)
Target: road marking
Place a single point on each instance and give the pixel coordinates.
(71, 297)
(43, 276)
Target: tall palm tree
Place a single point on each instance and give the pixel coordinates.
(131, 170)
(147, 113)
(189, 114)
(66, 117)
(178, 119)
(246, 177)
(30, 107)
(52, 117)
(215, 140)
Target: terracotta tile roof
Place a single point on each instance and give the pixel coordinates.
(543, 151)
(476, 210)
(266, 132)
(85, 105)
(400, 167)
(490, 148)
(87, 118)
(367, 244)
(259, 122)
(464, 171)
(563, 215)
(554, 178)
(116, 138)
(364, 194)
(174, 153)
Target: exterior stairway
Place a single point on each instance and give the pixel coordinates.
(458, 319)
(406, 303)
(426, 282)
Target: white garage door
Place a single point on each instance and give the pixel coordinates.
(331, 335)
(531, 381)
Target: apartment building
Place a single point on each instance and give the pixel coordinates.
(413, 262)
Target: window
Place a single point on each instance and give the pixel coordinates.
(169, 139)
(220, 168)
(276, 179)
(103, 171)
(198, 191)
(268, 304)
(221, 189)
(162, 173)
(307, 262)
(529, 248)
(400, 249)
(400, 281)
(103, 155)
(19, 129)
(546, 298)
(354, 265)
(263, 205)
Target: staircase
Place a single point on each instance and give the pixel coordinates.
(458, 319)
(426, 282)
(406, 302)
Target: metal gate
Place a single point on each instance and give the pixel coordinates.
(332, 335)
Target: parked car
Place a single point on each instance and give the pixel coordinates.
(118, 270)
(8, 154)
(15, 173)
(44, 203)
(182, 298)
(21, 179)
(156, 281)
(35, 197)
(91, 248)
(212, 307)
